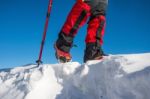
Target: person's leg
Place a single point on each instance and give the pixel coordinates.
(95, 30)
(76, 18)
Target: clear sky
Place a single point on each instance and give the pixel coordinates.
(22, 23)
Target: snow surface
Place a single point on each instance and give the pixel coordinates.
(114, 77)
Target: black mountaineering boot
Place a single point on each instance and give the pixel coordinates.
(93, 52)
(62, 48)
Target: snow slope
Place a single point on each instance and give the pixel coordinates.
(114, 77)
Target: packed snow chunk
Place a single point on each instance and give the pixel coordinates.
(45, 86)
(109, 80)
(135, 62)
(113, 77)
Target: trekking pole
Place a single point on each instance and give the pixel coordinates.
(39, 61)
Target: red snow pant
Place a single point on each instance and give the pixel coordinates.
(79, 14)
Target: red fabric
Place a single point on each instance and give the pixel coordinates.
(92, 30)
(93, 24)
(79, 0)
(73, 16)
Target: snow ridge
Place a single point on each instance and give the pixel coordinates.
(114, 77)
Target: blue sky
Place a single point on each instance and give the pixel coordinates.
(22, 23)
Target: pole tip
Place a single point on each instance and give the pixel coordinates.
(39, 62)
